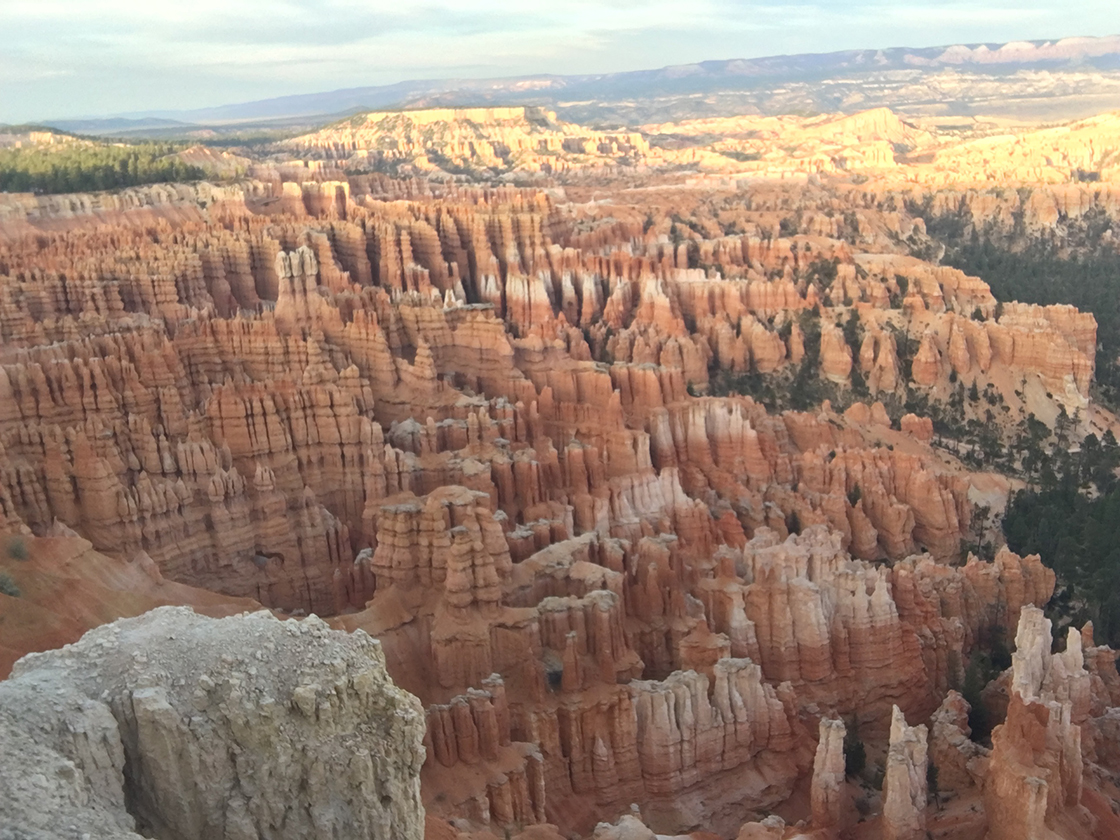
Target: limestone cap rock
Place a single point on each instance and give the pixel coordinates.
(190, 727)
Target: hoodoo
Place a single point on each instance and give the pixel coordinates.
(514, 467)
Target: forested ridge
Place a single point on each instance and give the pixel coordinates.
(1069, 514)
(1076, 262)
(83, 166)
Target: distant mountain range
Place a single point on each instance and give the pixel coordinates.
(1020, 78)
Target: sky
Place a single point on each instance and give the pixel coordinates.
(78, 58)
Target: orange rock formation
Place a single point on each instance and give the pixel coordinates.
(479, 424)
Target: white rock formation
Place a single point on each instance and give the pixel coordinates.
(904, 788)
(828, 774)
(1034, 779)
(192, 728)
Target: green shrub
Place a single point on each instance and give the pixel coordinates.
(8, 586)
(979, 673)
(855, 756)
(17, 548)
(86, 165)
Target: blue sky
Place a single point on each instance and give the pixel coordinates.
(68, 58)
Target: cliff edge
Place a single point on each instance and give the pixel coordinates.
(173, 725)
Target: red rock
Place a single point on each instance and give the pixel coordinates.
(921, 428)
(836, 355)
(961, 762)
(926, 369)
(465, 420)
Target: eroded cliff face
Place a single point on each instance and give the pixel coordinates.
(473, 139)
(875, 144)
(479, 424)
(172, 725)
(237, 398)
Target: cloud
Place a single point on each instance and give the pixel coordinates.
(75, 57)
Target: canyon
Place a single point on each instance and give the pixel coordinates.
(517, 143)
(503, 458)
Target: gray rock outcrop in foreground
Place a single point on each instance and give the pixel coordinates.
(191, 728)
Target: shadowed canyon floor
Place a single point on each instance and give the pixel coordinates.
(637, 483)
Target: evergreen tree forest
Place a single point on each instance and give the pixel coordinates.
(84, 166)
(1069, 514)
(1071, 518)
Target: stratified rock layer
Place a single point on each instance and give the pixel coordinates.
(1034, 781)
(904, 788)
(505, 431)
(827, 790)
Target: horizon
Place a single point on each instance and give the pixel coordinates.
(123, 59)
